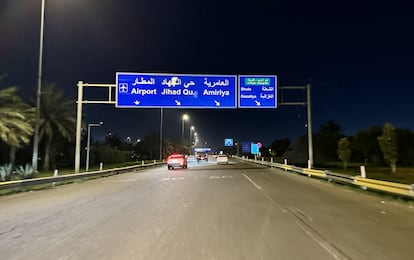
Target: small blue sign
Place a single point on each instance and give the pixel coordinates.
(255, 148)
(246, 147)
(228, 142)
(257, 91)
(150, 90)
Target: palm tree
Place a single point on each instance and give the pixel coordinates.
(57, 120)
(16, 120)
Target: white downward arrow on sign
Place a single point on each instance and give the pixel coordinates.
(217, 103)
(257, 103)
(178, 103)
(136, 102)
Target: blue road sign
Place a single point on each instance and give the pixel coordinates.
(246, 147)
(254, 148)
(257, 91)
(228, 142)
(149, 90)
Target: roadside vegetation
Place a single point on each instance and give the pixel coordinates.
(386, 152)
(57, 138)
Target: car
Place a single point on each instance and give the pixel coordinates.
(176, 160)
(222, 159)
(202, 157)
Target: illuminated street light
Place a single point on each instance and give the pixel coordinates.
(89, 142)
(191, 130)
(39, 90)
(195, 139)
(185, 117)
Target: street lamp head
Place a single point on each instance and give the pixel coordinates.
(185, 117)
(95, 124)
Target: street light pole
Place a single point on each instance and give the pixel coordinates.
(39, 90)
(184, 118)
(89, 143)
(191, 129)
(195, 139)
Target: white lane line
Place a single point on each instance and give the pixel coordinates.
(172, 179)
(324, 244)
(252, 182)
(332, 250)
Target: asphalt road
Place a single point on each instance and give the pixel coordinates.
(209, 211)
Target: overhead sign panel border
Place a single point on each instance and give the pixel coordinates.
(221, 92)
(259, 94)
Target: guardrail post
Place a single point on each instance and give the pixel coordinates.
(262, 159)
(100, 166)
(154, 161)
(363, 174)
(271, 159)
(55, 174)
(285, 160)
(143, 162)
(309, 164)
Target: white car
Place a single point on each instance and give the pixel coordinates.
(222, 159)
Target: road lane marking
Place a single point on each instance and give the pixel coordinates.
(172, 179)
(331, 249)
(221, 177)
(252, 182)
(306, 227)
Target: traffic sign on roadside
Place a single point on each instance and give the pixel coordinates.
(257, 91)
(150, 90)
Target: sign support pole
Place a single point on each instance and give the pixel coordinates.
(309, 112)
(310, 145)
(80, 102)
(161, 119)
(78, 126)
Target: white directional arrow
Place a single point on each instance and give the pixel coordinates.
(217, 103)
(136, 102)
(257, 103)
(178, 103)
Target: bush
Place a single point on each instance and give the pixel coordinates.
(6, 172)
(26, 172)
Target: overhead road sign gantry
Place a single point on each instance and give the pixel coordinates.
(153, 90)
(257, 91)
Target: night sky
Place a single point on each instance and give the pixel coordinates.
(359, 58)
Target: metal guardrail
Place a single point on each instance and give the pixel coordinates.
(385, 186)
(68, 177)
(340, 178)
(391, 187)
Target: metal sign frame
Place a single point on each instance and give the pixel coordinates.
(262, 96)
(178, 91)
